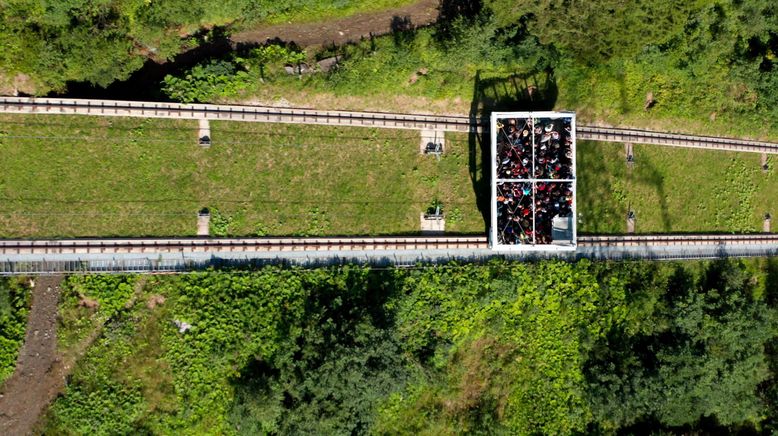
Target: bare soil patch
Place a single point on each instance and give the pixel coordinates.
(40, 372)
(343, 30)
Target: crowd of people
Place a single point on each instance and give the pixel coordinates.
(536, 150)
(553, 148)
(526, 210)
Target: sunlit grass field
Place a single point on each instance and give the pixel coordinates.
(672, 189)
(68, 176)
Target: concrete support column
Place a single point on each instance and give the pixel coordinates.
(629, 153)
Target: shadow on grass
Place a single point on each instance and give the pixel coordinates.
(530, 92)
(598, 198)
(649, 175)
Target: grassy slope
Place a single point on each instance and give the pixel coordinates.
(135, 177)
(672, 189)
(117, 182)
(333, 180)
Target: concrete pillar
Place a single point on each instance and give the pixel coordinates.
(765, 166)
(766, 225)
(203, 222)
(204, 133)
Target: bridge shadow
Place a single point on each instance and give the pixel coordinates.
(648, 174)
(516, 92)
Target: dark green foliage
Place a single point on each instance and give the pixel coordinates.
(331, 371)
(701, 353)
(502, 348)
(100, 399)
(110, 291)
(220, 79)
(562, 350)
(101, 41)
(14, 306)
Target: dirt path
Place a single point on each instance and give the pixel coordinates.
(40, 374)
(346, 29)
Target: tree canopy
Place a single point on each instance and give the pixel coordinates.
(503, 348)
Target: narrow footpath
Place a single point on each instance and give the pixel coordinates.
(40, 373)
(343, 30)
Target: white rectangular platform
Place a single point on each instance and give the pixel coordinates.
(533, 188)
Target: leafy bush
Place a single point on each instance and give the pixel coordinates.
(14, 307)
(220, 223)
(99, 400)
(206, 82)
(111, 291)
(271, 54)
(502, 348)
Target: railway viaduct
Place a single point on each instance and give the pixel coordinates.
(184, 254)
(181, 254)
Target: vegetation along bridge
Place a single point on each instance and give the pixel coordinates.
(269, 114)
(183, 254)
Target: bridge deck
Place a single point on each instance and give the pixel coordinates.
(174, 255)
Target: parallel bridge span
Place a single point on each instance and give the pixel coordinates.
(271, 114)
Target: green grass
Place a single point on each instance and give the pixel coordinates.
(672, 190)
(68, 176)
(376, 75)
(132, 177)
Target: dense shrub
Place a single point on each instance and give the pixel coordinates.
(14, 307)
(206, 82)
(509, 348)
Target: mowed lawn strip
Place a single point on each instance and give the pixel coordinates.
(672, 189)
(71, 176)
(282, 179)
(68, 176)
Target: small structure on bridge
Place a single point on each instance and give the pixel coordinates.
(204, 222)
(432, 142)
(631, 221)
(630, 154)
(433, 222)
(204, 133)
(533, 181)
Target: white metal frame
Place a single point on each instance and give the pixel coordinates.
(493, 156)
